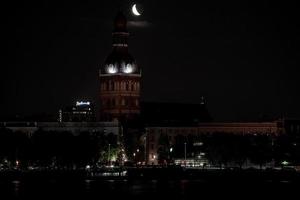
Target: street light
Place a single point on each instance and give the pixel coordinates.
(109, 154)
(145, 149)
(169, 154)
(185, 154)
(134, 158)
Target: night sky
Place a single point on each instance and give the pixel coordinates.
(242, 57)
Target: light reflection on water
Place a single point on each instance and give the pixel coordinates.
(16, 187)
(147, 189)
(88, 184)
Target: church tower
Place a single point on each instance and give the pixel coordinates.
(120, 78)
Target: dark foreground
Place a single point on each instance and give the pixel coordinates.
(190, 185)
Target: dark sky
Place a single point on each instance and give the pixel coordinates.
(242, 57)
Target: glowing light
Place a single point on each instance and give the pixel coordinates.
(111, 69)
(285, 162)
(128, 69)
(171, 149)
(83, 103)
(198, 143)
(135, 11)
(88, 167)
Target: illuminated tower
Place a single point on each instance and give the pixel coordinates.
(119, 78)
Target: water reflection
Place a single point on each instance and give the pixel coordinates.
(16, 187)
(133, 189)
(88, 185)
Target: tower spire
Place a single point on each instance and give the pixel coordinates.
(120, 23)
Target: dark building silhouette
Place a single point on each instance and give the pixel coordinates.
(174, 114)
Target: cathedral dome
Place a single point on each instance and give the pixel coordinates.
(119, 60)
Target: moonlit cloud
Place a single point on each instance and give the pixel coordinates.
(131, 24)
(139, 24)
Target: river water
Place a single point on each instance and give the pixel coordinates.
(140, 189)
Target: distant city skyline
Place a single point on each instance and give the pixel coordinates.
(241, 57)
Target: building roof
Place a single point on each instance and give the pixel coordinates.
(120, 61)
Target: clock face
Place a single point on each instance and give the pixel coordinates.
(111, 69)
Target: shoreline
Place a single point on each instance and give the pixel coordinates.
(157, 174)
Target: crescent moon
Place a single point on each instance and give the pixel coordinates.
(135, 11)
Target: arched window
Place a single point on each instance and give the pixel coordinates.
(111, 86)
(113, 102)
(130, 85)
(127, 86)
(117, 86)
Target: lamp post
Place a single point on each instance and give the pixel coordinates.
(109, 154)
(185, 154)
(145, 149)
(169, 154)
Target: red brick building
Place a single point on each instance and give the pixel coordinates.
(120, 78)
